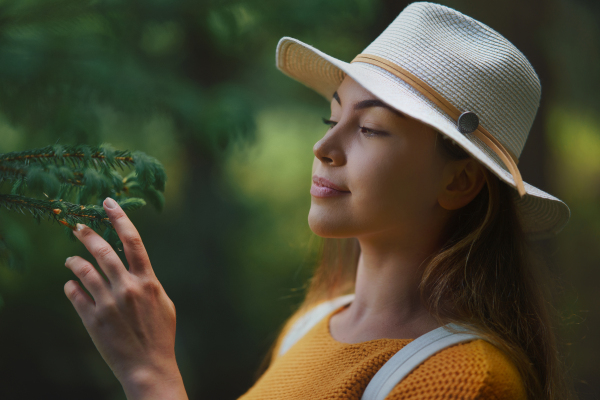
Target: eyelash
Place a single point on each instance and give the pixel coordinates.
(362, 128)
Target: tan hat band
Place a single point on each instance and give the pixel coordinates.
(509, 159)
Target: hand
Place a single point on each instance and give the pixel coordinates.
(130, 319)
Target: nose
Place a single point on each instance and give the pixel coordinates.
(329, 149)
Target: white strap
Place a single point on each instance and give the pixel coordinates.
(410, 357)
(310, 319)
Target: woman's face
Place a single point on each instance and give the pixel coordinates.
(388, 164)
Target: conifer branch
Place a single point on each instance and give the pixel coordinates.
(12, 173)
(72, 177)
(75, 156)
(66, 213)
(78, 173)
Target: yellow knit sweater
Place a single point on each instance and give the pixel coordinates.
(319, 367)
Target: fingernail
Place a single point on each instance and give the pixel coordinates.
(110, 203)
(67, 260)
(79, 227)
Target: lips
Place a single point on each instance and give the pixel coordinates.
(325, 188)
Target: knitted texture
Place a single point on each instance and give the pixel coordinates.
(319, 367)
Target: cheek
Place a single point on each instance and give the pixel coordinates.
(395, 184)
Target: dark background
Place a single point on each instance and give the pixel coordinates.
(194, 84)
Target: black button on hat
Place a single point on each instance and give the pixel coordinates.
(468, 122)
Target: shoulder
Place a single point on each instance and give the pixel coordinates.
(472, 370)
(304, 319)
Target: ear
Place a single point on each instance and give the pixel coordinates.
(462, 181)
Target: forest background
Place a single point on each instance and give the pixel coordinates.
(194, 84)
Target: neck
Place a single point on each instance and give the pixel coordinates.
(386, 292)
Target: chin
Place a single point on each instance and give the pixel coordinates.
(326, 225)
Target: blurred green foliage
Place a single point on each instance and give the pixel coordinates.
(194, 85)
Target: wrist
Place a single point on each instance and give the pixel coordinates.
(155, 384)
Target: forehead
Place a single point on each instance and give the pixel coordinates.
(351, 95)
(350, 90)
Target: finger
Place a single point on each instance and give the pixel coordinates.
(82, 302)
(135, 252)
(107, 259)
(91, 279)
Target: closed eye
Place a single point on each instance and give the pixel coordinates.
(329, 122)
(366, 131)
(370, 132)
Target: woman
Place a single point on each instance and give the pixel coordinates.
(417, 174)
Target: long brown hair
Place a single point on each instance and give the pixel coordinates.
(485, 277)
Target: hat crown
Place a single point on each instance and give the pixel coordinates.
(469, 64)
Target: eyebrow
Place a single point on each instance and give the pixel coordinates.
(361, 105)
(376, 103)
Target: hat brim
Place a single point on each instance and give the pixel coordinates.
(542, 215)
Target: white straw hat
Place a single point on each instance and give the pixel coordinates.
(455, 74)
